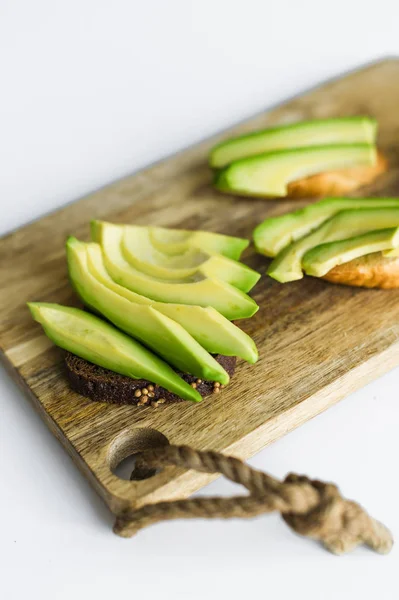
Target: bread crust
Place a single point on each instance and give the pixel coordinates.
(337, 183)
(370, 271)
(104, 385)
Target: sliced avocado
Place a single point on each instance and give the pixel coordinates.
(268, 174)
(178, 241)
(348, 130)
(143, 322)
(276, 233)
(99, 342)
(320, 260)
(213, 331)
(139, 252)
(229, 301)
(391, 253)
(287, 266)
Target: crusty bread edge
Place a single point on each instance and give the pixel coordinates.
(340, 182)
(337, 183)
(370, 271)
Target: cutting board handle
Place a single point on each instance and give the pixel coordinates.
(311, 508)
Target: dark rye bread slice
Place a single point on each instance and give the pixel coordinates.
(104, 385)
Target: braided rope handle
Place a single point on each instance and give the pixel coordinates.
(311, 508)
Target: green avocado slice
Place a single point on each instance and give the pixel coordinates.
(391, 253)
(178, 241)
(347, 130)
(99, 342)
(275, 233)
(143, 322)
(268, 174)
(228, 300)
(141, 254)
(320, 260)
(287, 266)
(213, 331)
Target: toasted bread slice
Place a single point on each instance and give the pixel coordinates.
(103, 385)
(371, 271)
(337, 183)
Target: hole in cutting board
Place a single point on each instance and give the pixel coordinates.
(124, 448)
(125, 468)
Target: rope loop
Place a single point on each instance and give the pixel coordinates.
(310, 507)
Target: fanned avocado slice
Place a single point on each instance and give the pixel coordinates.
(99, 342)
(211, 329)
(275, 233)
(144, 256)
(228, 300)
(347, 130)
(320, 260)
(143, 322)
(287, 266)
(391, 253)
(269, 174)
(178, 241)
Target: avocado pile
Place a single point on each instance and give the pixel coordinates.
(263, 163)
(333, 231)
(168, 296)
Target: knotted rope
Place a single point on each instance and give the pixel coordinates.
(311, 508)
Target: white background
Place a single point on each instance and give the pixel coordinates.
(90, 91)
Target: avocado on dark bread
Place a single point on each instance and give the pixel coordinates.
(104, 385)
(231, 302)
(86, 335)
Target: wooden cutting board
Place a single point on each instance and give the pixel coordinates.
(318, 342)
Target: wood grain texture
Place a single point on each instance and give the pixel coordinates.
(318, 342)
